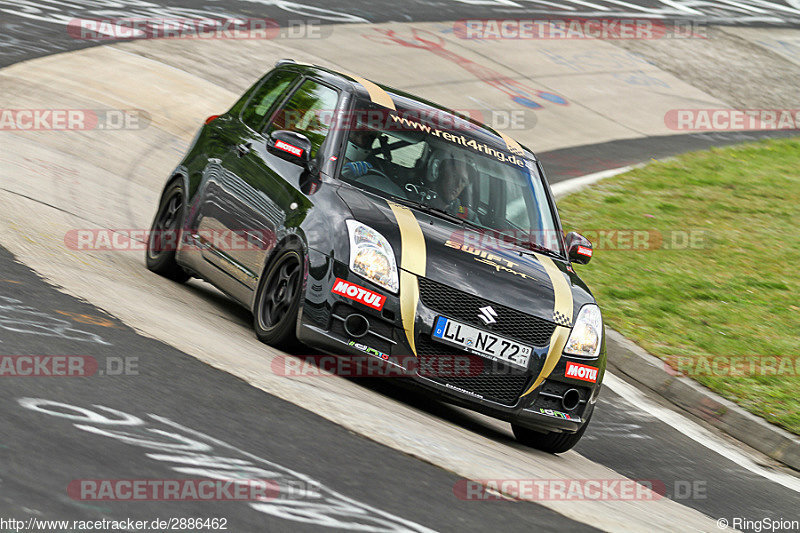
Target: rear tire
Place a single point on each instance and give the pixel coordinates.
(550, 442)
(278, 300)
(162, 243)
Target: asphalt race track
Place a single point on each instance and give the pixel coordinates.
(143, 377)
(148, 379)
(575, 161)
(345, 454)
(27, 25)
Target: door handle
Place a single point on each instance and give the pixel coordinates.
(243, 149)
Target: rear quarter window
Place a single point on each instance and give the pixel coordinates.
(265, 97)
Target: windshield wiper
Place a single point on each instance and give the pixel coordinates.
(449, 216)
(532, 247)
(435, 211)
(524, 246)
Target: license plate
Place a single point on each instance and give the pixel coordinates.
(481, 342)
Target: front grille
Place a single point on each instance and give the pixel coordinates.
(497, 381)
(465, 307)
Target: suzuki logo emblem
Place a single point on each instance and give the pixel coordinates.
(488, 315)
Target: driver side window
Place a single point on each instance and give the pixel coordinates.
(308, 111)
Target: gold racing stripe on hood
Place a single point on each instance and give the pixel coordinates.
(512, 145)
(376, 94)
(412, 264)
(562, 315)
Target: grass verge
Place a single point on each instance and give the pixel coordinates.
(696, 259)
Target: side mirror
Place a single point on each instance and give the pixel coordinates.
(310, 181)
(290, 146)
(579, 248)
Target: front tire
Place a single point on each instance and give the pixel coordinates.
(165, 233)
(278, 300)
(550, 442)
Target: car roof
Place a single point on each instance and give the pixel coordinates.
(369, 90)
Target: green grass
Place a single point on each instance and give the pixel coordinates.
(734, 292)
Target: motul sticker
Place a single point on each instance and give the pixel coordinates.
(286, 147)
(582, 372)
(358, 293)
(583, 250)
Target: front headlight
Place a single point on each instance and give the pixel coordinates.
(371, 256)
(587, 335)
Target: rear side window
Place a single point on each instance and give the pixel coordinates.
(309, 112)
(264, 98)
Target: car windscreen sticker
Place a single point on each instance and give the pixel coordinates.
(376, 94)
(402, 121)
(512, 145)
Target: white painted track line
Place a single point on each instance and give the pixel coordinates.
(696, 432)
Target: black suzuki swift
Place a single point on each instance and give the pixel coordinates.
(363, 221)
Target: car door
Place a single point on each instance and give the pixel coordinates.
(229, 203)
(266, 196)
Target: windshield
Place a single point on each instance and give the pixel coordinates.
(453, 172)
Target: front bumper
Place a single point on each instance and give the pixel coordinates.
(498, 390)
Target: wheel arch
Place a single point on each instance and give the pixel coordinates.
(291, 240)
(181, 174)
